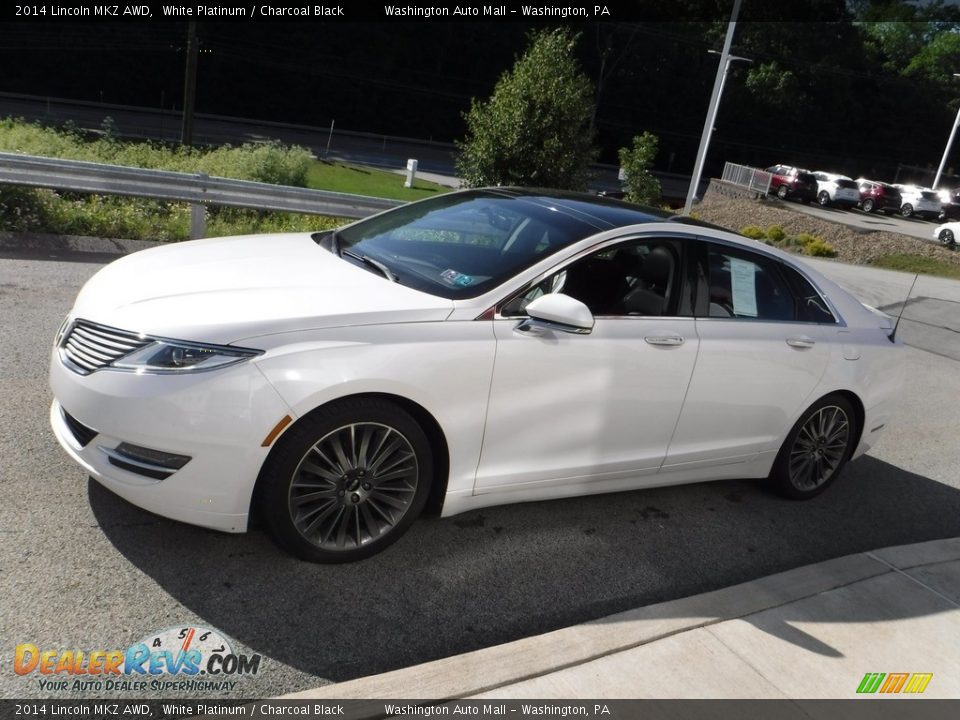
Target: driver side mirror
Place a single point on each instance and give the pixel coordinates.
(557, 312)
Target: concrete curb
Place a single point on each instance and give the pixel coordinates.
(42, 243)
(485, 670)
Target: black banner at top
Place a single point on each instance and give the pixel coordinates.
(571, 11)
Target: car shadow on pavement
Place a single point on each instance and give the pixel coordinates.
(486, 577)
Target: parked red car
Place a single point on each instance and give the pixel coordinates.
(794, 183)
(878, 196)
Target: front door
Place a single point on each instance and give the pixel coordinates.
(567, 407)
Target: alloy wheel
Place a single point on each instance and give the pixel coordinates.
(353, 486)
(819, 448)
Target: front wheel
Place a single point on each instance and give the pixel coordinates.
(906, 210)
(817, 448)
(782, 192)
(823, 198)
(946, 238)
(347, 480)
(867, 205)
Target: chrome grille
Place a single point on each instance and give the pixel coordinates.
(87, 346)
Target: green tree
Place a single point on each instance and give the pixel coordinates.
(534, 129)
(641, 186)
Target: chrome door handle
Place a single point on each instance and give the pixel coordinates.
(801, 341)
(669, 340)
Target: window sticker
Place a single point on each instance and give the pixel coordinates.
(743, 287)
(457, 279)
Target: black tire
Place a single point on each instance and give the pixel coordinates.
(946, 238)
(906, 210)
(816, 451)
(782, 192)
(823, 198)
(303, 499)
(867, 205)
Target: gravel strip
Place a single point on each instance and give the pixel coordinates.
(859, 247)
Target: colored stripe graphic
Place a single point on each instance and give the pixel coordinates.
(893, 683)
(918, 683)
(870, 682)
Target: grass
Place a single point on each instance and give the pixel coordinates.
(37, 210)
(918, 264)
(322, 175)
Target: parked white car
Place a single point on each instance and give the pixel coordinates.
(919, 201)
(834, 189)
(947, 233)
(474, 349)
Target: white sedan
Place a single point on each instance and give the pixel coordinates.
(947, 233)
(479, 348)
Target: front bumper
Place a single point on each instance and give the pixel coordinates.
(219, 419)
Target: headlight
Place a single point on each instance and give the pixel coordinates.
(171, 356)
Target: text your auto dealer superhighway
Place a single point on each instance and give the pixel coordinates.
(303, 11)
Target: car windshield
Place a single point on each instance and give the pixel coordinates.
(462, 244)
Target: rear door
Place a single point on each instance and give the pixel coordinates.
(762, 354)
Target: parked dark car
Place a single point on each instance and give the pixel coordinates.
(793, 183)
(877, 196)
(950, 205)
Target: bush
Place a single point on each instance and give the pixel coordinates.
(776, 233)
(38, 210)
(534, 129)
(30, 210)
(264, 162)
(817, 247)
(641, 186)
(752, 232)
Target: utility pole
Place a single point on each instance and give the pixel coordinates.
(190, 84)
(712, 109)
(946, 151)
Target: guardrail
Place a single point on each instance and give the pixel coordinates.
(197, 189)
(751, 178)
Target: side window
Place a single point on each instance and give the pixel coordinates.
(744, 285)
(810, 306)
(638, 278)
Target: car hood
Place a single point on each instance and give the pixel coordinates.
(225, 290)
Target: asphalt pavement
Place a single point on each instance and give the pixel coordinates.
(839, 629)
(81, 568)
(881, 222)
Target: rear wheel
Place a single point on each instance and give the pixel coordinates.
(947, 238)
(816, 450)
(782, 192)
(347, 481)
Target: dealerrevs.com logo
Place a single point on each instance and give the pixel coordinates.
(179, 658)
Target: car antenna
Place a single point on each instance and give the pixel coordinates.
(893, 335)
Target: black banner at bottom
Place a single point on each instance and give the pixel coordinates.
(872, 708)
